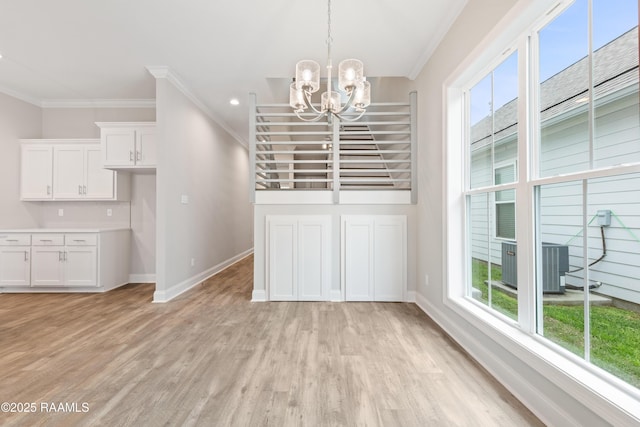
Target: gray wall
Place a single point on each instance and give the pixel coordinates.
(18, 119)
(499, 355)
(200, 160)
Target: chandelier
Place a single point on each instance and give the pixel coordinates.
(351, 81)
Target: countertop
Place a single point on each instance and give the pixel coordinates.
(63, 230)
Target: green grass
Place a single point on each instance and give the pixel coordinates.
(615, 333)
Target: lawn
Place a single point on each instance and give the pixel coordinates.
(615, 333)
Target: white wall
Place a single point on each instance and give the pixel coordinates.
(509, 362)
(18, 119)
(199, 160)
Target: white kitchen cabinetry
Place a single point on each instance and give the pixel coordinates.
(374, 257)
(79, 173)
(74, 170)
(128, 145)
(299, 257)
(15, 260)
(36, 172)
(64, 261)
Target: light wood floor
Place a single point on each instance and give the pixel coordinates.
(213, 358)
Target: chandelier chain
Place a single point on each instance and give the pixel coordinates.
(329, 37)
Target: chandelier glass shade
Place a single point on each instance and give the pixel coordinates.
(351, 81)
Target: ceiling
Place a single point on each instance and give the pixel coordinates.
(56, 52)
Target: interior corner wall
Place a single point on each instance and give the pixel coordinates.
(18, 119)
(203, 208)
(551, 403)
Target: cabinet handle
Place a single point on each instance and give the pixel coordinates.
(46, 240)
(48, 190)
(12, 240)
(79, 240)
(26, 255)
(130, 155)
(80, 190)
(138, 155)
(65, 256)
(84, 190)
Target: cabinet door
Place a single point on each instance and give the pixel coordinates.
(357, 267)
(47, 266)
(36, 174)
(68, 167)
(299, 257)
(283, 259)
(81, 266)
(389, 260)
(375, 257)
(99, 182)
(146, 147)
(15, 266)
(118, 147)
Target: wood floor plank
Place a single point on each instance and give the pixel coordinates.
(211, 357)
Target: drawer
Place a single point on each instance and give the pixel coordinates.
(15, 239)
(78, 239)
(48, 240)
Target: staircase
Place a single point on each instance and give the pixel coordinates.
(362, 167)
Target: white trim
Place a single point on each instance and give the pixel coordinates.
(180, 288)
(412, 296)
(142, 278)
(98, 103)
(295, 197)
(21, 96)
(376, 197)
(259, 295)
(164, 72)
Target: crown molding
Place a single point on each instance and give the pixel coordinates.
(164, 72)
(98, 103)
(21, 96)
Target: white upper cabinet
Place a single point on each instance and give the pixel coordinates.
(128, 145)
(36, 172)
(79, 173)
(68, 170)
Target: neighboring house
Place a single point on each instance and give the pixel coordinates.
(564, 149)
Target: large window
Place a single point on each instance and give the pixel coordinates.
(552, 185)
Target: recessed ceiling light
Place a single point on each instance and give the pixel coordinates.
(234, 101)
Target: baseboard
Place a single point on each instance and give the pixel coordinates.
(259, 295)
(335, 295)
(411, 296)
(180, 288)
(142, 278)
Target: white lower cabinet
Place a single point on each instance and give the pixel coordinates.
(73, 264)
(64, 262)
(15, 260)
(374, 257)
(298, 257)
